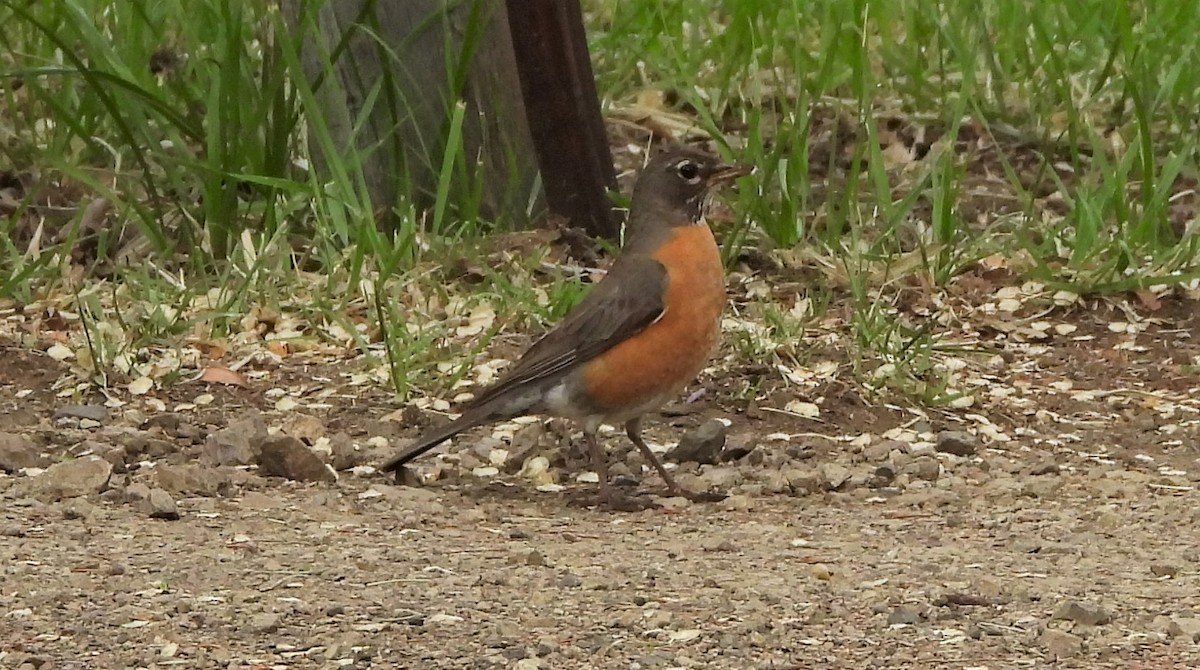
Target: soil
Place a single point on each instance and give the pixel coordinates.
(1054, 523)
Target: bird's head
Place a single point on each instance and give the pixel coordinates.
(672, 187)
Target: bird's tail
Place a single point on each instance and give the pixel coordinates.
(432, 439)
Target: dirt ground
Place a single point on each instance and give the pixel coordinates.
(1053, 523)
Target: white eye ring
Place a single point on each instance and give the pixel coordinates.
(688, 170)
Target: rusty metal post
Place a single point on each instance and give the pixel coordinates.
(563, 109)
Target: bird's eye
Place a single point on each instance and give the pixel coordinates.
(689, 171)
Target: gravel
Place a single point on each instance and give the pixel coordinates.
(877, 557)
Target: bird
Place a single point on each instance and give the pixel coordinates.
(637, 338)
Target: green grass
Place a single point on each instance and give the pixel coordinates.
(1098, 100)
(194, 121)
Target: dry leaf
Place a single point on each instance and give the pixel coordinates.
(141, 386)
(1148, 299)
(218, 375)
(652, 99)
(214, 350)
(286, 404)
(994, 262)
(60, 353)
(807, 410)
(480, 319)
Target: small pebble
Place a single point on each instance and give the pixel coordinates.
(1060, 644)
(159, 505)
(1089, 614)
(904, 615)
(1164, 569)
(957, 442)
(266, 622)
(719, 545)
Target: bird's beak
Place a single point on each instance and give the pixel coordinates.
(727, 172)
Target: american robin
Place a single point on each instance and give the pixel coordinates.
(638, 337)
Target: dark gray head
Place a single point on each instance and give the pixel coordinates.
(671, 188)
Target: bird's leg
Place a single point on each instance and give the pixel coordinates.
(610, 497)
(633, 428)
(599, 461)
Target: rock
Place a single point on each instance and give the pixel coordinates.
(658, 618)
(525, 445)
(259, 501)
(159, 505)
(1164, 569)
(1046, 467)
(1060, 644)
(528, 664)
(97, 413)
(1187, 628)
(77, 508)
(303, 427)
(880, 451)
(23, 415)
(674, 502)
(1042, 487)
(112, 454)
(702, 444)
(799, 452)
(777, 482)
(265, 623)
(596, 583)
(833, 476)
(737, 503)
(406, 476)
(926, 468)
(342, 453)
(417, 499)
(957, 442)
(902, 458)
(883, 476)
(1002, 487)
(804, 481)
(145, 446)
(1088, 614)
(1118, 484)
(722, 477)
(18, 452)
(569, 580)
(904, 614)
(191, 479)
(467, 462)
(238, 444)
(1161, 624)
(820, 571)
(531, 557)
(73, 478)
(167, 422)
(287, 457)
(736, 452)
(136, 492)
(718, 544)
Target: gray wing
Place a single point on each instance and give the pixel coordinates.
(626, 301)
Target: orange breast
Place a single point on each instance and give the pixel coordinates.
(660, 360)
